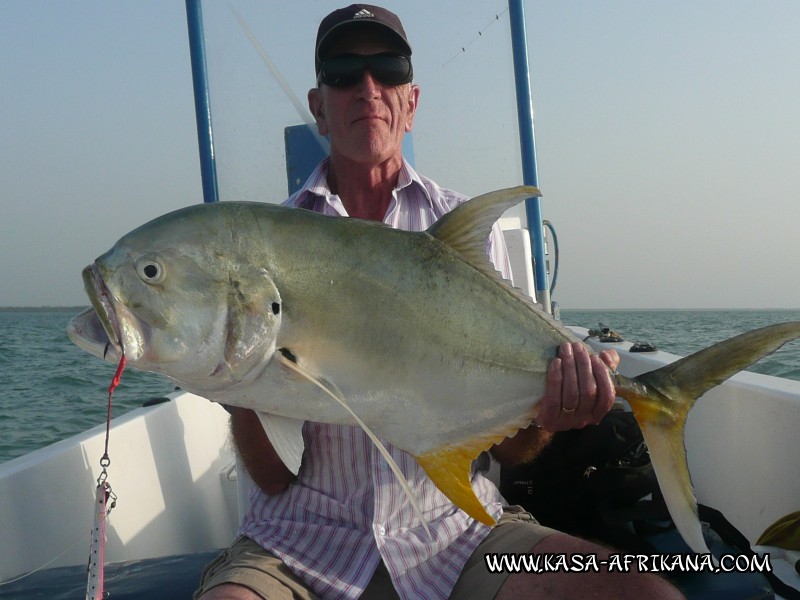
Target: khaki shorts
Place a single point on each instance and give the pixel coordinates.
(248, 564)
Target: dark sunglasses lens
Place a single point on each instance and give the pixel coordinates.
(342, 71)
(348, 70)
(391, 70)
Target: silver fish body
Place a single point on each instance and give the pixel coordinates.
(405, 328)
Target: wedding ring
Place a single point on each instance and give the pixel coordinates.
(569, 410)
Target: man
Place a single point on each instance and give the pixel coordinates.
(342, 527)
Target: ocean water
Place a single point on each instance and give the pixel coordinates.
(50, 389)
(683, 332)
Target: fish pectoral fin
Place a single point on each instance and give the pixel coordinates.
(449, 468)
(286, 436)
(288, 361)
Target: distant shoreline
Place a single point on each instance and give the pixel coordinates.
(75, 309)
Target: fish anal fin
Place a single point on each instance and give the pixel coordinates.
(449, 469)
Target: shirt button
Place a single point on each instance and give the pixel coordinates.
(382, 530)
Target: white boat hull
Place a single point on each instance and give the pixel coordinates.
(171, 468)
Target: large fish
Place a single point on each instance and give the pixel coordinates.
(411, 335)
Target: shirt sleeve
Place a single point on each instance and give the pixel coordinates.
(498, 252)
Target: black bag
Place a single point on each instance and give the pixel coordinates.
(592, 482)
(583, 477)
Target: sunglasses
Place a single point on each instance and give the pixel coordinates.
(347, 70)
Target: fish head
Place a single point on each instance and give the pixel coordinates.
(182, 296)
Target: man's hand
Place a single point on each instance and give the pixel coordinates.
(579, 389)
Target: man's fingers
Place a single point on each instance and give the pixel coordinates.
(587, 386)
(570, 387)
(610, 358)
(579, 388)
(550, 406)
(605, 389)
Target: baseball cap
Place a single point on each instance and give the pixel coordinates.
(353, 17)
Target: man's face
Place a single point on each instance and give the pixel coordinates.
(366, 122)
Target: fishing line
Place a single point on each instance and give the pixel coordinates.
(113, 386)
(299, 107)
(80, 540)
(477, 37)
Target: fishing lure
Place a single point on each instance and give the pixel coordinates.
(102, 506)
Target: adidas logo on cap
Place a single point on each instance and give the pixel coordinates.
(363, 14)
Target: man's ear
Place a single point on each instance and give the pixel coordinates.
(413, 102)
(315, 105)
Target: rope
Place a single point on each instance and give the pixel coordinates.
(478, 36)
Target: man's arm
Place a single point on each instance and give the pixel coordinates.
(259, 457)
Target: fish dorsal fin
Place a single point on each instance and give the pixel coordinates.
(466, 228)
(336, 395)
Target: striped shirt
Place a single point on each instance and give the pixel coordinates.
(345, 511)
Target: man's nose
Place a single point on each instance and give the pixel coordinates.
(369, 87)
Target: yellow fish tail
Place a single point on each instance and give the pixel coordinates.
(661, 401)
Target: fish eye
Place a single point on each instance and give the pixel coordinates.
(150, 271)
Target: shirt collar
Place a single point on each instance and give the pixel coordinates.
(316, 189)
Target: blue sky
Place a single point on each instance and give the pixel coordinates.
(668, 133)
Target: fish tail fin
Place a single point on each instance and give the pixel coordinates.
(668, 455)
(661, 401)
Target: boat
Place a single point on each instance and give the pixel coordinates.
(180, 492)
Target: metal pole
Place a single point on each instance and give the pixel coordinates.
(533, 208)
(202, 101)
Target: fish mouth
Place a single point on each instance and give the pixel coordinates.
(107, 330)
(103, 306)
